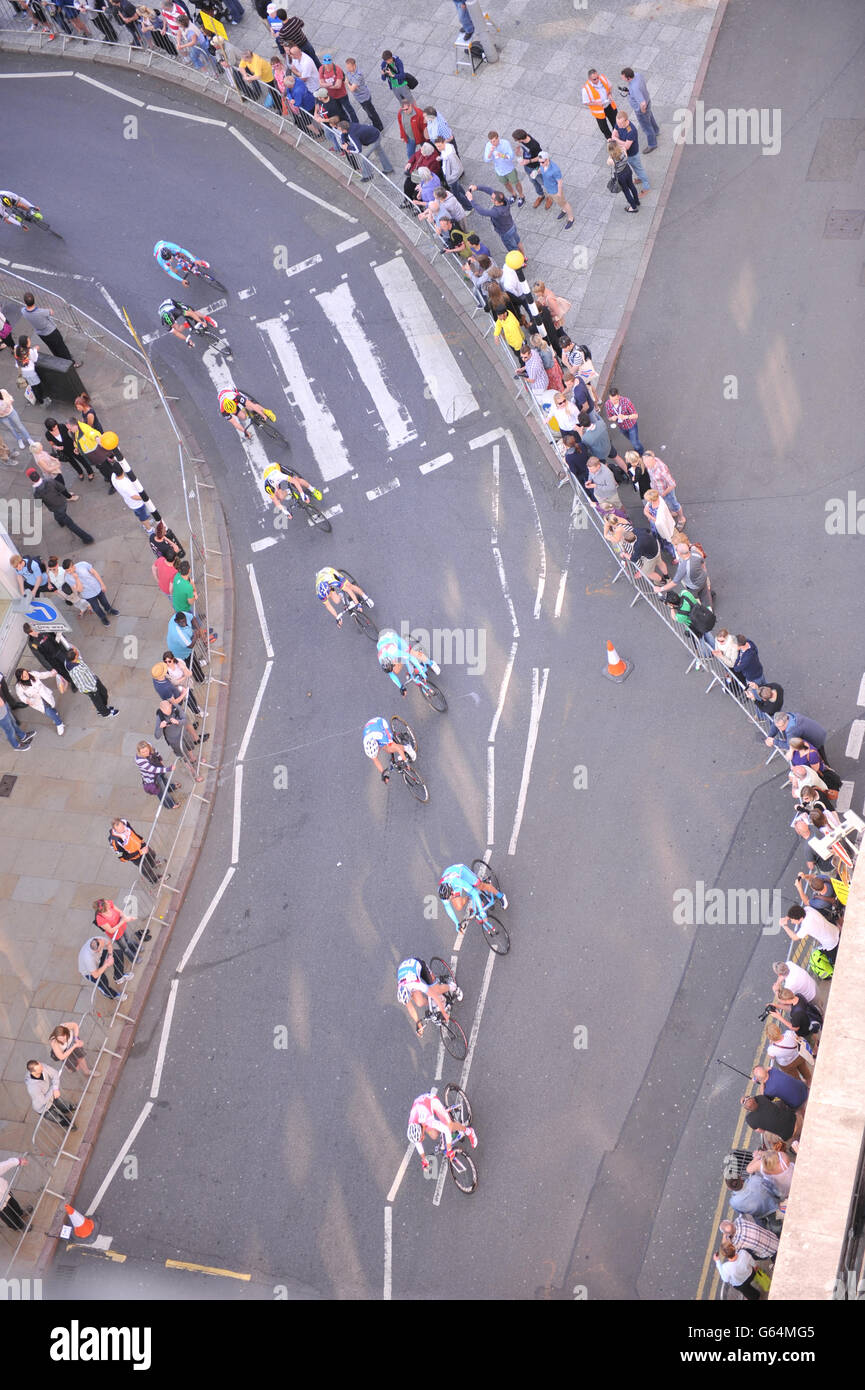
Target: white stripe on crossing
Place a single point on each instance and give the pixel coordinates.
(301, 265)
(341, 310)
(256, 454)
(845, 796)
(435, 463)
(352, 241)
(854, 739)
(445, 382)
(860, 698)
(380, 491)
(322, 432)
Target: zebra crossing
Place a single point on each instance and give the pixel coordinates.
(320, 406)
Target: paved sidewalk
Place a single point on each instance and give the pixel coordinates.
(54, 854)
(546, 51)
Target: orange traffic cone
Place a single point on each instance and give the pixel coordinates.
(617, 669)
(83, 1227)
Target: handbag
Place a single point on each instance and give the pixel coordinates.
(612, 184)
(409, 80)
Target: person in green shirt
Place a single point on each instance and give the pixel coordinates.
(182, 589)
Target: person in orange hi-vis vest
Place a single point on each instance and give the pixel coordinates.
(598, 96)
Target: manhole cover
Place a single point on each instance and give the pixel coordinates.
(845, 224)
(7, 782)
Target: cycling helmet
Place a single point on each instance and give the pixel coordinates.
(167, 311)
(415, 1134)
(386, 664)
(403, 992)
(165, 254)
(445, 891)
(371, 746)
(228, 405)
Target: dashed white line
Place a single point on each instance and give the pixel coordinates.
(539, 690)
(400, 1173)
(112, 91)
(483, 439)
(435, 463)
(380, 491)
(253, 713)
(505, 590)
(860, 698)
(854, 738)
(352, 241)
(259, 608)
(539, 530)
(237, 815)
(560, 596)
(304, 193)
(163, 1039)
(262, 159)
(66, 72)
(388, 1252)
(186, 115)
(503, 690)
(200, 929)
(491, 791)
(301, 265)
(124, 1150)
(110, 302)
(247, 293)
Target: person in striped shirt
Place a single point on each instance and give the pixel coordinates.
(621, 412)
(745, 1234)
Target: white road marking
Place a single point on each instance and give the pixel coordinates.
(112, 91)
(66, 72)
(200, 929)
(560, 596)
(539, 530)
(538, 694)
(341, 311)
(256, 454)
(388, 1253)
(258, 155)
(302, 265)
(505, 590)
(110, 302)
(322, 432)
(503, 690)
(482, 439)
(435, 463)
(845, 796)
(186, 115)
(266, 543)
(352, 241)
(259, 608)
(147, 338)
(380, 491)
(163, 1039)
(124, 1150)
(400, 1173)
(491, 791)
(247, 293)
(333, 511)
(860, 698)
(253, 713)
(445, 382)
(854, 738)
(237, 813)
(305, 193)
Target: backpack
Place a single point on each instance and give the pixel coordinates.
(820, 965)
(701, 619)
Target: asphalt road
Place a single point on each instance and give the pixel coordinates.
(277, 1161)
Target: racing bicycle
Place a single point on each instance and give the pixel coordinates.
(495, 931)
(33, 217)
(211, 330)
(265, 424)
(452, 1036)
(202, 270)
(432, 693)
(314, 517)
(357, 608)
(413, 780)
(459, 1161)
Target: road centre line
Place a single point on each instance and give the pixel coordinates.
(67, 72)
(207, 1269)
(247, 293)
(199, 930)
(133, 101)
(186, 115)
(163, 1039)
(124, 1150)
(388, 1252)
(538, 694)
(400, 1173)
(110, 302)
(505, 590)
(236, 816)
(503, 690)
(352, 241)
(491, 791)
(435, 463)
(259, 608)
(380, 491)
(253, 713)
(305, 193)
(560, 596)
(539, 530)
(262, 159)
(301, 265)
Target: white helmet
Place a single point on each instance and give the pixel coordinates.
(371, 746)
(415, 1134)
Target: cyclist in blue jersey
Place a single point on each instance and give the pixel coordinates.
(332, 581)
(458, 885)
(416, 985)
(377, 739)
(176, 261)
(394, 653)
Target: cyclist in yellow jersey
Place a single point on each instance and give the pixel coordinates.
(276, 481)
(330, 581)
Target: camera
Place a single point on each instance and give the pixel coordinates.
(766, 1012)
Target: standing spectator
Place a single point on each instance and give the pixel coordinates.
(664, 483)
(108, 918)
(163, 572)
(601, 484)
(751, 1195)
(394, 74)
(86, 683)
(412, 125)
(6, 339)
(499, 215)
(626, 134)
(467, 27)
(89, 584)
(303, 66)
(13, 423)
(180, 639)
(500, 154)
(43, 1088)
(638, 95)
(122, 483)
(639, 545)
(437, 127)
(507, 324)
(358, 139)
(180, 676)
(172, 725)
(768, 698)
(190, 43)
(787, 726)
(171, 17)
(660, 518)
(64, 1044)
(332, 78)
(41, 321)
(621, 412)
(87, 441)
(154, 774)
(291, 36)
(618, 161)
(807, 921)
(183, 593)
(557, 305)
(768, 1116)
(65, 581)
(27, 358)
(35, 693)
(776, 1170)
(690, 571)
(597, 95)
(783, 1048)
(551, 178)
(165, 687)
(805, 1020)
(452, 170)
(84, 406)
(30, 575)
(17, 738)
(532, 370)
(12, 1214)
(747, 665)
(49, 466)
(356, 84)
(162, 541)
(62, 445)
(95, 959)
(529, 157)
(129, 846)
(736, 1267)
(596, 438)
(48, 650)
(128, 14)
(48, 492)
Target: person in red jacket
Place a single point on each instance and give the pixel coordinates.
(426, 156)
(332, 78)
(412, 125)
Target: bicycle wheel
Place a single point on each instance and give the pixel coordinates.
(316, 518)
(365, 623)
(211, 280)
(46, 226)
(496, 935)
(442, 972)
(271, 432)
(463, 1171)
(415, 783)
(402, 732)
(454, 1039)
(457, 1103)
(433, 695)
(486, 872)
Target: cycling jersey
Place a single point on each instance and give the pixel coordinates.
(375, 735)
(273, 478)
(9, 209)
(172, 309)
(461, 880)
(231, 393)
(393, 648)
(412, 976)
(185, 259)
(429, 1111)
(328, 580)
